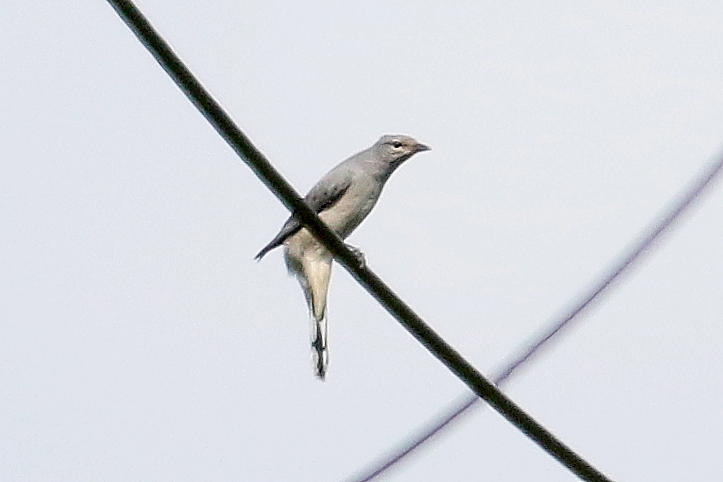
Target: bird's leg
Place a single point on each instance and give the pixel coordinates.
(358, 255)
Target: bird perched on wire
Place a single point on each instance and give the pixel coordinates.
(342, 199)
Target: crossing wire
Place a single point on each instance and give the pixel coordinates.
(218, 118)
(555, 328)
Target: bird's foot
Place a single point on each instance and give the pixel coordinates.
(358, 255)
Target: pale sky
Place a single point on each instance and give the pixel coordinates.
(140, 341)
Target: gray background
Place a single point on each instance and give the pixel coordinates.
(140, 341)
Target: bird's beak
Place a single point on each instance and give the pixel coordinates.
(421, 148)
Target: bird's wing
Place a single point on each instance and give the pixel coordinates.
(322, 196)
(327, 192)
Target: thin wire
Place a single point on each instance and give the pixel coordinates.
(563, 322)
(373, 284)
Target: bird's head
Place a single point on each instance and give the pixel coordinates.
(395, 149)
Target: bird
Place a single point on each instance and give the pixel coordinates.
(342, 199)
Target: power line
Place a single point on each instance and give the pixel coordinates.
(556, 326)
(373, 284)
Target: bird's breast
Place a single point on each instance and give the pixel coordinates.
(350, 211)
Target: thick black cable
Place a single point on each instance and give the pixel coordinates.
(278, 185)
(563, 322)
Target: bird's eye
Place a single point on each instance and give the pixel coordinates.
(396, 144)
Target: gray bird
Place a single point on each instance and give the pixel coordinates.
(342, 199)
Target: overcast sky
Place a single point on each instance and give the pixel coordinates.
(140, 341)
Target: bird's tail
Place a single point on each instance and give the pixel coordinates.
(317, 276)
(313, 275)
(319, 347)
